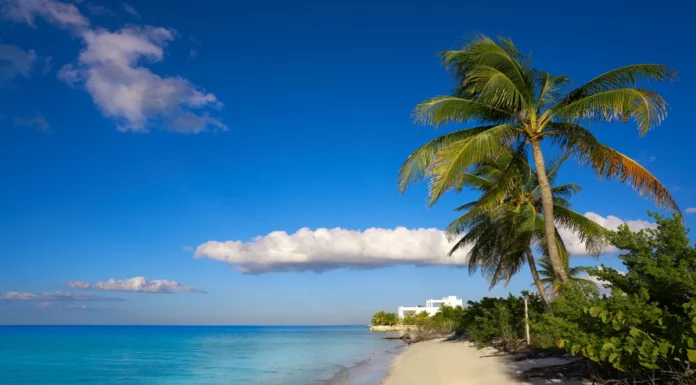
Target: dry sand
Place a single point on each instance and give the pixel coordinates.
(441, 362)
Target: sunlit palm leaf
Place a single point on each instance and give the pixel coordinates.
(646, 108)
(565, 191)
(589, 231)
(550, 89)
(621, 77)
(417, 166)
(446, 109)
(459, 156)
(609, 163)
(484, 51)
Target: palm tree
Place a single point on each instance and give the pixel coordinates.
(550, 280)
(517, 105)
(506, 222)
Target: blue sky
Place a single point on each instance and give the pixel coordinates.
(244, 118)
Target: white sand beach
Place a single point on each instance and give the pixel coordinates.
(440, 362)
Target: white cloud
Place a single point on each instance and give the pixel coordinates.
(136, 284)
(691, 210)
(111, 67)
(187, 248)
(64, 15)
(15, 62)
(325, 249)
(126, 7)
(604, 287)
(577, 248)
(133, 95)
(57, 296)
(38, 122)
(66, 306)
(99, 10)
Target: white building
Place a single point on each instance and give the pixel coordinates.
(431, 306)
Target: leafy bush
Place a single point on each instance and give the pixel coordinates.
(444, 322)
(646, 329)
(382, 318)
(499, 321)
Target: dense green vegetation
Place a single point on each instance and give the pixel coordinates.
(643, 332)
(646, 328)
(499, 321)
(382, 318)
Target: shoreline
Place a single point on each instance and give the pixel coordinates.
(443, 362)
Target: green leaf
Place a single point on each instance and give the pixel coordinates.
(613, 356)
(692, 355)
(634, 332)
(608, 345)
(649, 365)
(594, 311)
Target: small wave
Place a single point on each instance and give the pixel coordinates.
(365, 372)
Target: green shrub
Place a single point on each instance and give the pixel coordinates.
(382, 318)
(442, 323)
(499, 321)
(646, 329)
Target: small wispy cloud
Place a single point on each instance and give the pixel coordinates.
(691, 210)
(16, 62)
(57, 296)
(64, 306)
(99, 10)
(135, 284)
(652, 159)
(187, 248)
(129, 9)
(196, 45)
(38, 122)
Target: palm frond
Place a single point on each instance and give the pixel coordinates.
(417, 165)
(473, 181)
(550, 89)
(565, 191)
(508, 171)
(481, 50)
(456, 158)
(589, 231)
(646, 108)
(446, 109)
(492, 87)
(609, 163)
(622, 77)
(553, 165)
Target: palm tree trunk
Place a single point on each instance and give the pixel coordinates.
(537, 282)
(547, 204)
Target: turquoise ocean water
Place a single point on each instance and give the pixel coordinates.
(250, 355)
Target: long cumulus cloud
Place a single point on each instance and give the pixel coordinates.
(112, 68)
(325, 249)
